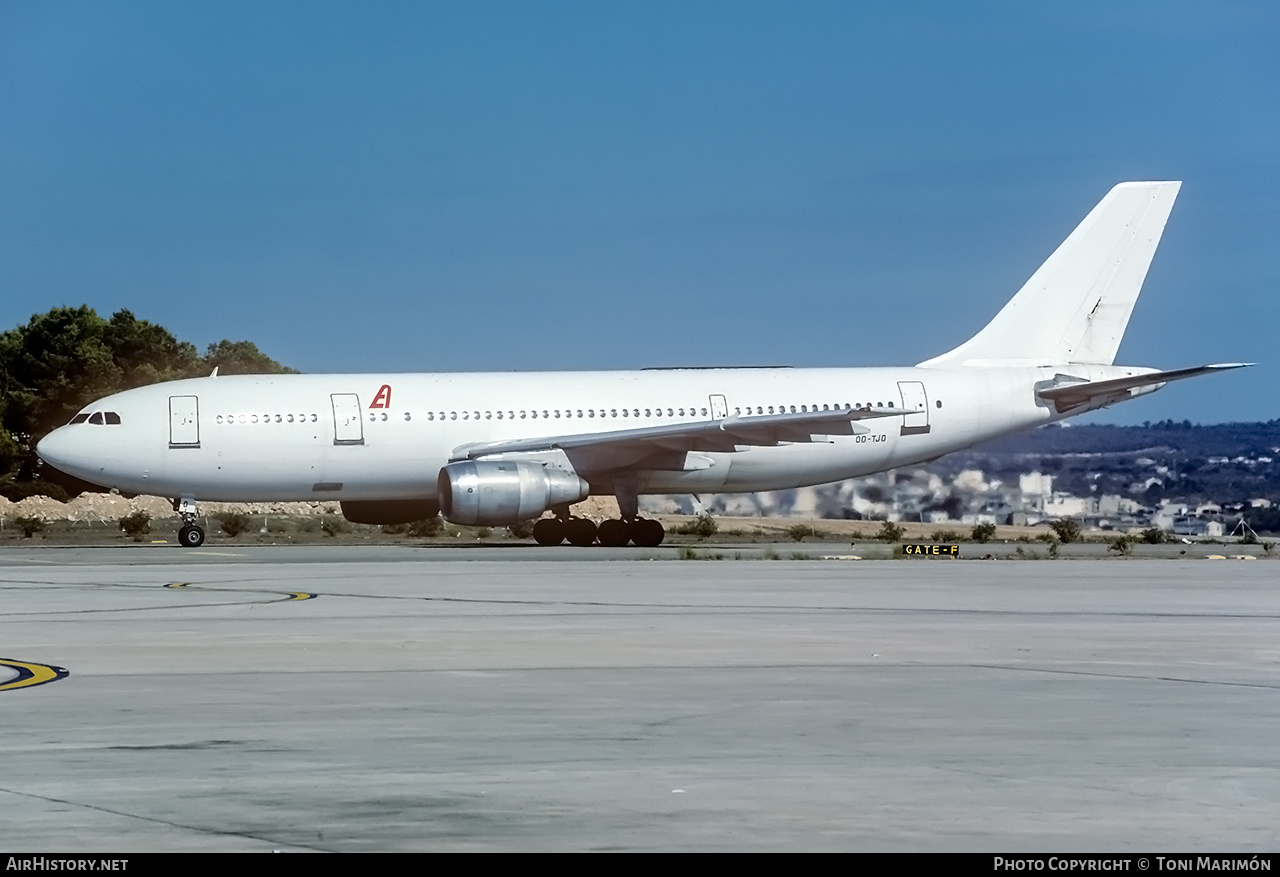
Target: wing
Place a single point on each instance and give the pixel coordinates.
(1069, 396)
(628, 446)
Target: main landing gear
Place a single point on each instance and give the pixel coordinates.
(190, 536)
(614, 532)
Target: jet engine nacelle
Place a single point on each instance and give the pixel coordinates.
(501, 492)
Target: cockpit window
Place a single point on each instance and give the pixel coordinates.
(98, 418)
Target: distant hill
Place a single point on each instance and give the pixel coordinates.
(1219, 439)
(1183, 462)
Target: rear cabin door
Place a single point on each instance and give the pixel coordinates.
(184, 422)
(914, 399)
(348, 427)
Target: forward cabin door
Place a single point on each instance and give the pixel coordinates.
(348, 427)
(184, 422)
(916, 400)
(719, 408)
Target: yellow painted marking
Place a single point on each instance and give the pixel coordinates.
(1217, 557)
(289, 596)
(30, 674)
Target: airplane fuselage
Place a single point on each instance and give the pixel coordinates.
(385, 437)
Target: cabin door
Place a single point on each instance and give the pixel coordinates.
(719, 408)
(184, 422)
(914, 399)
(348, 427)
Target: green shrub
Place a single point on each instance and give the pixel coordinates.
(522, 529)
(136, 525)
(332, 525)
(890, 532)
(983, 532)
(945, 536)
(29, 525)
(798, 532)
(1120, 545)
(1154, 536)
(427, 527)
(233, 523)
(702, 526)
(1068, 529)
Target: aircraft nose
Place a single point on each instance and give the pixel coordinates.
(55, 448)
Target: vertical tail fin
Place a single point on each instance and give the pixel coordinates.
(1076, 306)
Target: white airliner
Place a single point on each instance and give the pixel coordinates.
(499, 448)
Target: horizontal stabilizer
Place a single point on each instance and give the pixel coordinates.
(1067, 397)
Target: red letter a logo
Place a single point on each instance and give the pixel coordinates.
(383, 399)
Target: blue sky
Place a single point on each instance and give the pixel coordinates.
(519, 186)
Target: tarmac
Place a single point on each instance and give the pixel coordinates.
(320, 698)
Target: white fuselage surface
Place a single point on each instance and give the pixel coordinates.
(306, 437)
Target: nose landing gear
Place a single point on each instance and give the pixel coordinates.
(191, 535)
